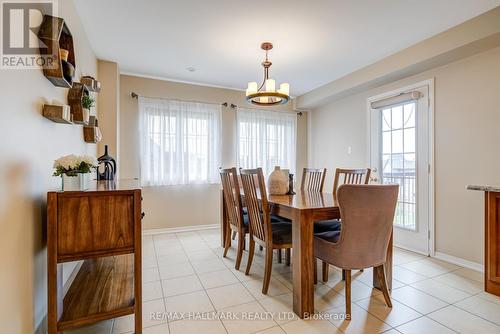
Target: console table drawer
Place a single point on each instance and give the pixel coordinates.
(89, 225)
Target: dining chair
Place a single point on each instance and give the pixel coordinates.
(234, 208)
(367, 216)
(342, 176)
(313, 179)
(262, 232)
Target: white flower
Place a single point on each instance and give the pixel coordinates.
(89, 160)
(67, 162)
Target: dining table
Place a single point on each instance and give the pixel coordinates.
(303, 209)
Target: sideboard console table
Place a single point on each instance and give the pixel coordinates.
(492, 237)
(101, 227)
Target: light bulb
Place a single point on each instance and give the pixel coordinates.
(252, 88)
(270, 85)
(284, 89)
(264, 99)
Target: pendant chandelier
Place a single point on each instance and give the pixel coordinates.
(266, 94)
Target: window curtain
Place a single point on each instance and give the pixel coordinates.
(266, 139)
(179, 142)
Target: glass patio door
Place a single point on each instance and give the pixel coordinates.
(399, 146)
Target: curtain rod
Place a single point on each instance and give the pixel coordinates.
(225, 104)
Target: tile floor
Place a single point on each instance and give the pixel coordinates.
(185, 273)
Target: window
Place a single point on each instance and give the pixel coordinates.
(266, 139)
(180, 142)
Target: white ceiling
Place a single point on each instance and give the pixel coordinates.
(315, 41)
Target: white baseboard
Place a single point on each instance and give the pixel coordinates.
(459, 261)
(410, 249)
(180, 229)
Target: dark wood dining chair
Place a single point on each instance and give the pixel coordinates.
(313, 179)
(234, 209)
(367, 216)
(342, 176)
(262, 232)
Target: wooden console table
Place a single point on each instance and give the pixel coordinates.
(492, 238)
(102, 227)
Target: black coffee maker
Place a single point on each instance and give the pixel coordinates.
(106, 169)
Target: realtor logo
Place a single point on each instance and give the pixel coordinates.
(19, 42)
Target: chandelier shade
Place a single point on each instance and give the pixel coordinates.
(267, 94)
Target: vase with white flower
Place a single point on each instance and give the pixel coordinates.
(75, 171)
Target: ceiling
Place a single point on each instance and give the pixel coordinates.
(315, 42)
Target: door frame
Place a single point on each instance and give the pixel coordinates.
(431, 186)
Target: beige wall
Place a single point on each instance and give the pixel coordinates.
(109, 105)
(467, 116)
(30, 143)
(183, 205)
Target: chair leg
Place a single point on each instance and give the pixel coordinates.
(383, 284)
(343, 274)
(251, 248)
(348, 294)
(267, 269)
(325, 269)
(288, 254)
(234, 235)
(227, 243)
(315, 271)
(279, 255)
(239, 252)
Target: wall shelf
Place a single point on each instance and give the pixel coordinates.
(75, 96)
(55, 35)
(58, 114)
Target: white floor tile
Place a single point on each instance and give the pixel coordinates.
(150, 275)
(103, 327)
(325, 297)
(310, 327)
(358, 290)
(197, 326)
(207, 266)
(406, 276)
(440, 290)
(482, 308)
(417, 300)
(229, 295)
(276, 288)
(460, 282)
(159, 329)
(361, 321)
(396, 315)
(202, 255)
(172, 259)
(181, 285)
(150, 312)
(281, 307)
(151, 291)
(463, 322)
(250, 318)
(430, 267)
(424, 325)
(216, 279)
(489, 297)
(194, 302)
(470, 274)
(272, 330)
(177, 270)
(123, 325)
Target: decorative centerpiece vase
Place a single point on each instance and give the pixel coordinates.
(277, 182)
(107, 166)
(78, 182)
(74, 171)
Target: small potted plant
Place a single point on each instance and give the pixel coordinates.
(87, 103)
(75, 171)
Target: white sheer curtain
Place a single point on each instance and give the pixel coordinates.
(179, 142)
(266, 139)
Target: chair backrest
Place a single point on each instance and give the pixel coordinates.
(350, 176)
(367, 213)
(259, 215)
(232, 197)
(313, 179)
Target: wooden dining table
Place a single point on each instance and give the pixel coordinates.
(304, 208)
